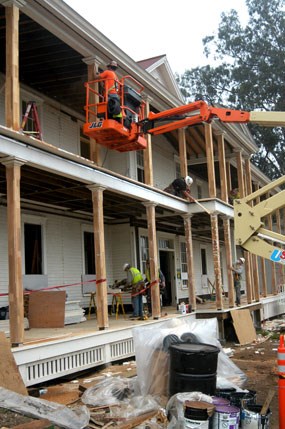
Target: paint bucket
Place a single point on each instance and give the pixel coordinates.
(243, 399)
(225, 393)
(196, 414)
(226, 417)
(217, 400)
(252, 419)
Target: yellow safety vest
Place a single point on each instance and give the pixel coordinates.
(137, 276)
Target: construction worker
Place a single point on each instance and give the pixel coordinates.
(111, 90)
(237, 269)
(180, 187)
(136, 281)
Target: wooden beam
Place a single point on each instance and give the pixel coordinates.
(228, 248)
(148, 167)
(100, 257)
(210, 161)
(16, 300)
(182, 152)
(254, 264)
(222, 166)
(229, 177)
(190, 262)
(217, 260)
(152, 243)
(95, 149)
(240, 174)
(12, 92)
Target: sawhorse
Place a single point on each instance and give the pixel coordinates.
(117, 301)
(92, 302)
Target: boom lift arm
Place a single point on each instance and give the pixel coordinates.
(125, 132)
(250, 231)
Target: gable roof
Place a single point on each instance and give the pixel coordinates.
(160, 69)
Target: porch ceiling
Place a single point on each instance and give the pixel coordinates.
(54, 194)
(53, 68)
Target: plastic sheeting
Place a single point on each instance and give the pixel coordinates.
(152, 355)
(60, 415)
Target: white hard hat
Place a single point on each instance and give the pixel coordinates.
(126, 266)
(242, 260)
(188, 180)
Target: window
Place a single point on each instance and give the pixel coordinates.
(140, 166)
(165, 244)
(184, 266)
(33, 248)
(204, 261)
(144, 251)
(89, 252)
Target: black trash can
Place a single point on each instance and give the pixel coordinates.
(193, 367)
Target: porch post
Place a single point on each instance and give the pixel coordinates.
(92, 67)
(190, 261)
(12, 89)
(217, 260)
(229, 260)
(210, 161)
(16, 299)
(255, 275)
(100, 257)
(148, 168)
(240, 174)
(222, 166)
(152, 242)
(182, 152)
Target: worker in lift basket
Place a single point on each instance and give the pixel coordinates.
(180, 187)
(237, 269)
(136, 281)
(111, 89)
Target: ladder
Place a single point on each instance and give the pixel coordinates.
(31, 112)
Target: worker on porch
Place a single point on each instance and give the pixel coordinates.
(136, 281)
(237, 269)
(180, 187)
(111, 90)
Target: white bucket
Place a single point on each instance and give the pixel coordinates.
(251, 418)
(182, 309)
(226, 417)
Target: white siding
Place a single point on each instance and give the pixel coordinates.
(60, 129)
(163, 162)
(121, 249)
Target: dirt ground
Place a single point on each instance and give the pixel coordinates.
(257, 360)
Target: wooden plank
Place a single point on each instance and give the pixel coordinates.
(216, 260)
(10, 377)
(36, 424)
(100, 257)
(16, 299)
(243, 325)
(47, 309)
(210, 161)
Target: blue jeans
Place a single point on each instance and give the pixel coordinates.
(137, 302)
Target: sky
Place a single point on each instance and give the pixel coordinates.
(155, 27)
